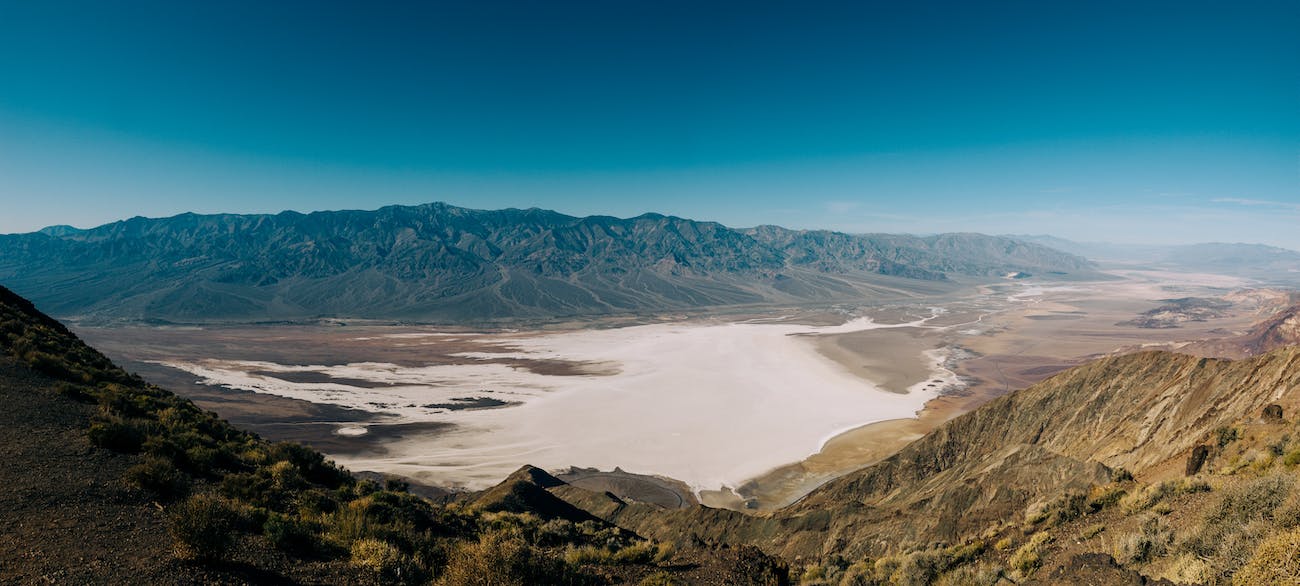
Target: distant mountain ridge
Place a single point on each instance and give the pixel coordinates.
(1257, 261)
(437, 261)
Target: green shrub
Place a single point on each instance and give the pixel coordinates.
(1226, 435)
(78, 393)
(202, 527)
(118, 434)
(290, 534)
(159, 476)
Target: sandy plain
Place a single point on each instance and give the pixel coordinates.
(755, 410)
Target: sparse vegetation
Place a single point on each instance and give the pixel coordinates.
(1029, 557)
(159, 476)
(1092, 531)
(1225, 435)
(1275, 561)
(1152, 494)
(1150, 541)
(1230, 530)
(203, 527)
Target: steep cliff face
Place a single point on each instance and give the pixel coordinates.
(442, 262)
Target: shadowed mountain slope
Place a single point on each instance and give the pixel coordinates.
(437, 261)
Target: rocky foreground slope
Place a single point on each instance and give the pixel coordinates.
(440, 262)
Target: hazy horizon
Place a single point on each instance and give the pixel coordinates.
(1159, 123)
(914, 233)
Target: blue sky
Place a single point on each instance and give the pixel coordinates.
(1121, 121)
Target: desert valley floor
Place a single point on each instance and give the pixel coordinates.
(743, 409)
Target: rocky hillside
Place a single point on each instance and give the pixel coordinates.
(1020, 488)
(106, 479)
(1279, 331)
(438, 261)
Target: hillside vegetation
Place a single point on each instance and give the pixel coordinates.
(438, 261)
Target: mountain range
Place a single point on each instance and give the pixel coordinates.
(440, 262)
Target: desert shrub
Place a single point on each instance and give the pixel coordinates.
(78, 393)
(588, 555)
(1092, 531)
(1275, 561)
(813, 574)
(1029, 558)
(1152, 494)
(1230, 530)
(382, 558)
(556, 532)
(660, 579)
(1292, 458)
(118, 434)
(1152, 540)
(159, 476)
(202, 527)
(1065, 508)
(920, 568)
(886, 566)
(637, 553)
(981, 575)
(1225, 435)
(664, 551)
(965, 553)
(1189, 569)
(1003, 544)
(291, 534)
(501, 560)
(1103, 496)
(1287, 516)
